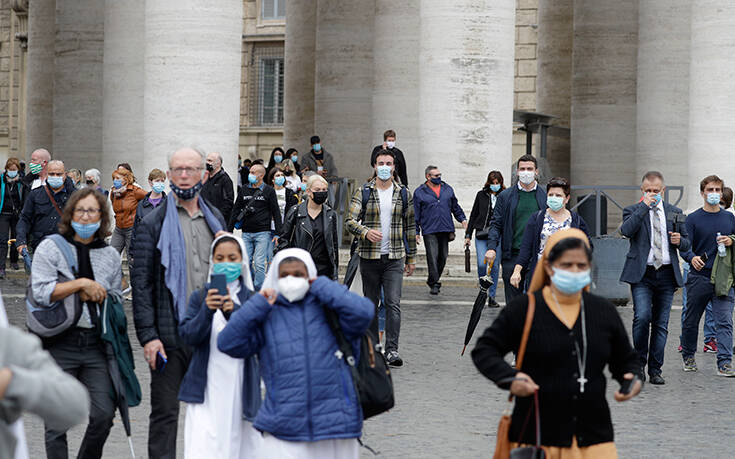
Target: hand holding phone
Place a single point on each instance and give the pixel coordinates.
(628, 384)
(219, 282)
(161, 362)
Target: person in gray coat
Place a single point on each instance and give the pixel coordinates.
(319, 160)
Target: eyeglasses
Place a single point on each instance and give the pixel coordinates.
(179, 171)
(81, 212)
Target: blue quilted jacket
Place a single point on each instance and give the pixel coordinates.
(309, 391)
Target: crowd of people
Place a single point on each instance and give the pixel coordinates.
(217, 313)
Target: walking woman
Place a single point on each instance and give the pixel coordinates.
(312, 226)
(293, 181)
(125, 197)
(12, 193)
(482, 213)
(574, 336)
(311, 409)
(542, 224)
(222, 393)
(286, 200)
(79, 350)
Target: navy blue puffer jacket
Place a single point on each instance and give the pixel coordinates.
(309, 391)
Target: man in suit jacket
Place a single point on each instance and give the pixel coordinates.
(656, 233)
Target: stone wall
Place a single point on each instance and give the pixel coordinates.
(13, 31)
(525, 65)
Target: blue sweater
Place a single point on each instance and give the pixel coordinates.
(703, 228)
(434, 215)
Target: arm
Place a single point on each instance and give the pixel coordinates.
(140, 193)
(685, 244)
(243, 335)
(25, 221)
(633, 218)
(456, 209)
(353, 225)
(44, 276)
(496, 223)
(287, 229)
(689, 228)
(196, 326)
(335, 244)
(355, 312)
(473, 216)
(229, 198)
(142, 282)
(239, 204)
(623, 359)
(502, 337)
(275, 211)
(530, 235)
(410, 227)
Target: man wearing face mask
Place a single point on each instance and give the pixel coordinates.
(319, 160)
(171, 253)
(381, 216)
(43, 207)
(38, 169)
(513, 208)
(389, 143)
(434, 204)
(652, 270)
(710, 231)
(218, 190)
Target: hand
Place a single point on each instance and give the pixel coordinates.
(675, 238)
(220, 233)
(467, 241)
(385, 145)
(418, 239)
(228, 305)
(374, 236)
(490, 256)
(409, 269)
(515, 278)
(649, 199)
(214, 300)
(635, 390)
(464, 224)
(20, 249)
(92, 291)
(270, 295)
(151, 349)
(6, 376)
(697, 263)
(724, 240)
(322, 172)
(524, 386)
(275, 240)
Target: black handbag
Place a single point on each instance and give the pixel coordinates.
(531, 452)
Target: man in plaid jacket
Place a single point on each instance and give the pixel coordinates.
(387, 232)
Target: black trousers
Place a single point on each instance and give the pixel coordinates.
(437, 251)
(80, 353)
(7, 227)
(164, 417)
(510, 291)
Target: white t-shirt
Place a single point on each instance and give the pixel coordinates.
(386, 211)
(281, 197)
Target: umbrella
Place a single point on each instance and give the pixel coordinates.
(26, 260)
(485, 283)
(353, 264)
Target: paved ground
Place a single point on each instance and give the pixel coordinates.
(446, 409)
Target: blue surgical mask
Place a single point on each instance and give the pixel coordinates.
(384, 172)
(158, 187)
(295, 158)
(57, 182)
(317, 147)
(658, 198)
(85, 230)
(436, 180)
(568, 282)
(12, 174)
(279, 181)
(277, 159)
(713, 198)
(555, 203)
(117, 183)
(495, 187)
(252, 179)
(231, 270)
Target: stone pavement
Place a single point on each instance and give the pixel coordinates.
(444, 408)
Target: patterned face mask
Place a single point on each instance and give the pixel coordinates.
(186, 194)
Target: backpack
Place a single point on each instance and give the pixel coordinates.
(49, 321)
(371, 375)
(365, 197)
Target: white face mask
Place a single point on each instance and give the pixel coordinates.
(526, 177)
(293, 288)
(390, 144)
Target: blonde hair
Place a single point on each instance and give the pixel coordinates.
(315, 178)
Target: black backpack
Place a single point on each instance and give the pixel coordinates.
(371, 375)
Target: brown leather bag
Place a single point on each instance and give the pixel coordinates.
(502, 443)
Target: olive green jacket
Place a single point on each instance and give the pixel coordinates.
(723, 271)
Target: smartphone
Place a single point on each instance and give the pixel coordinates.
(704, 257)
(627, 385)
(219, 281)
(319, 168)
(160, 362)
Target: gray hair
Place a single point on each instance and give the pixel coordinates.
(95, 173)
(429, 168)
(56, 162)
(201, 154)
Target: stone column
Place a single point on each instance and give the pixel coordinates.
(78, 82)
(466, 90)
(300, 67)
(711, 95)
(663, 90)
(604, 96)
(40, 71)
(396, 80)
(193, 52)
(554, 80)
(123, 87)
(344, 82)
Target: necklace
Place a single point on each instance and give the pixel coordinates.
(581, 356)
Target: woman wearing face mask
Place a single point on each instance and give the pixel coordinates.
(222, 393)
(482, 213)
(79, 350)
(275, 160)
(574, 336)
(125, 198)
(311, 409)
(293, 155)
(286, 200)
(293, 181)
(12, 194)
(312, 226)
(543, 224)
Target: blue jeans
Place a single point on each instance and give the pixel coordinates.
(652, 298)
(700, 292)
(481, 247)
(709, 320)
(256, 246)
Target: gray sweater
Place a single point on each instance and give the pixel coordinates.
(38, 386)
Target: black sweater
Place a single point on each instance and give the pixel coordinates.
(265, 208)
(551, 363)
(482, 212)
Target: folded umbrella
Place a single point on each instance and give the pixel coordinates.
(353, 264)
(26, 260)
(480, 301)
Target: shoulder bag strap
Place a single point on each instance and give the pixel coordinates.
(526, 331)
(65, 249)
(53, 201)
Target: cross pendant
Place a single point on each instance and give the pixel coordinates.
(581, 380)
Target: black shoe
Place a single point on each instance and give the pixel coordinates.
(642, 377)
(14, 266)
(657, 380)
(394, 359)
(434, 289)
(491, 303)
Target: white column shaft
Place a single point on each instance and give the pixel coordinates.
(40, 74)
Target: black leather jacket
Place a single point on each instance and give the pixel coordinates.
(297, 232)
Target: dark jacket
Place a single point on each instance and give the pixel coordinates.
(481, 214)
(434, 214)
(501, 225)
(220, 192)
(310, 161)
(297, 232)
(265, 208)
(309, 391)
(39, 217)
(552, 364)
(528, 256)
(637, 227)
(153, 306)
(400, 163)
(11, 196)
(144, 208)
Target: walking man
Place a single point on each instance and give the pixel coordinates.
(218, 190)
(319, 160)
(512, 209)
(171, 253)
(652, 270)
(434, 204)
(708, 227)
(38, 169)
(382, 216)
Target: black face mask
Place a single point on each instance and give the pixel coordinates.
(320, 197)
(90, 182)
(210, 168)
